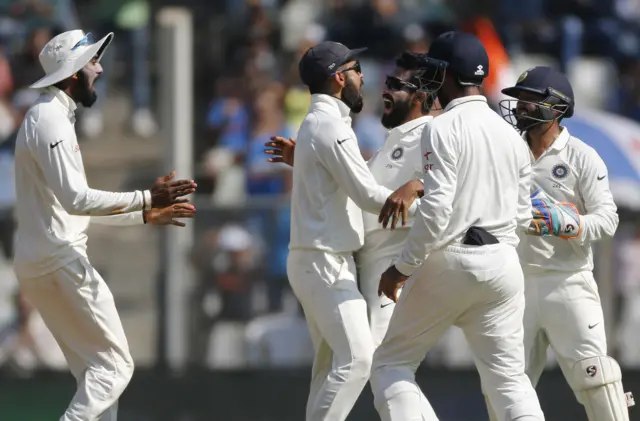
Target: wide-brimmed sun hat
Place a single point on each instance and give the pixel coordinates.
(67, 53)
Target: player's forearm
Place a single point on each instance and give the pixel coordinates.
(413, 187)
(417, 188)
(66, 178)
(599, 225)
(524, 215)
(370, 198)
(427, 229)
(93, 202)
(124, 220)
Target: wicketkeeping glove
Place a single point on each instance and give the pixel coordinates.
(560, 219)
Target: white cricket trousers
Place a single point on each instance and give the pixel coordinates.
(381, 249)
(563, 310)
(480, 290)
(78, 308)
(325, 284)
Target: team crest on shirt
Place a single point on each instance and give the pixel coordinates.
(560, 172)
(397, 153)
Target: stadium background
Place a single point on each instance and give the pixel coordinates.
(244, 351)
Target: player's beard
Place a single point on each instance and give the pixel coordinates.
(84, 93)
(398, 114)
(530, 120)
(352, 96)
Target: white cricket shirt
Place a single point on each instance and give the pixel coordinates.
(476, 173)
(398, 161)
(53, 201)
(331, 181)
(570, 171)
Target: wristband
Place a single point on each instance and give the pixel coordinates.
(146, 200)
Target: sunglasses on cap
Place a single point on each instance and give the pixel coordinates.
(396, 84)
(86, 40)
(355, 67)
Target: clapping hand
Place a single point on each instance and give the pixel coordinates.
(282, 149)
(170, 214)
(166, 191)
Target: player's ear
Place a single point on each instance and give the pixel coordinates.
(341, 79)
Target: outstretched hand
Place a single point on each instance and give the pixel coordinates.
(282, 149)
(170, 214)
(166, 191)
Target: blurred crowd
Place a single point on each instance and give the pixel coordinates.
(258, 92)
(243, 312)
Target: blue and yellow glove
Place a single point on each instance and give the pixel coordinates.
(559, 219)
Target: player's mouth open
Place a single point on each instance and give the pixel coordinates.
(388, 104)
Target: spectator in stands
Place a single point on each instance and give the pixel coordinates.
(26, 65)
(129, 19)
(228, 128)
(228, 267)
(228, 118)
(264, 178)
(297, 96)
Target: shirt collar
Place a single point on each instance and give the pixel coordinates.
(64, 100)
(465, 99)
(560, 142)
(331, 104)
(410, 125)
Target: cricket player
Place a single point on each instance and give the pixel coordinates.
(407, 110)
(459, 261)
(573, 208)
(54, 207)
(331, 184)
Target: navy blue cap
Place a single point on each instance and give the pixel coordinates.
(464, 54)
(545, 81)
(322, 60)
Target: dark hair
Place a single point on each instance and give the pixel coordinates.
(321, 87)
(409, 60)
(414, 62)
